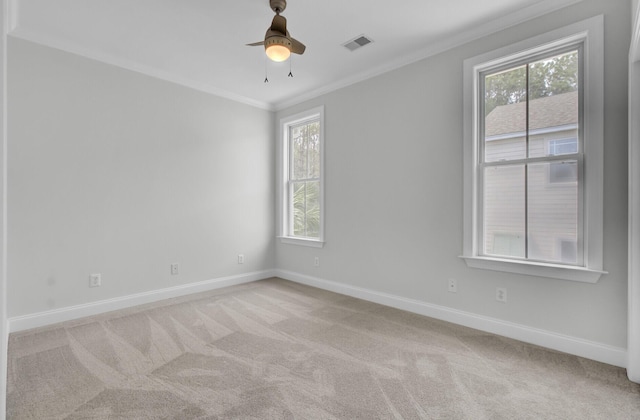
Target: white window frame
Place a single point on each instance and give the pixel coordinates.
(285, 208)
(590, 33)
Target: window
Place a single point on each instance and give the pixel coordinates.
(563, 146)
(533, 160)
(302, 196)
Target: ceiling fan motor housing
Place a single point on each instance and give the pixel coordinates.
(277, 40)
(278, 6)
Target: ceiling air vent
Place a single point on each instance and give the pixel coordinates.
(358, 42)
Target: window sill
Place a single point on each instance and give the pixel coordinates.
(554, 271)
(315, 243)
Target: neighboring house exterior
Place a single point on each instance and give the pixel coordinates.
(552, 196)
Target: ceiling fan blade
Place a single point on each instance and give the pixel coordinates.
(297, 47)
(255, 44)
(279, 24)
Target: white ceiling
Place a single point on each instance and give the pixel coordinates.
(201, 43)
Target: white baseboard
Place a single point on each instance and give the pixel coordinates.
(42, 319)
(591, 350)
(588, 349)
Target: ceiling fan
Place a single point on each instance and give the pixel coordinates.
(278, 44)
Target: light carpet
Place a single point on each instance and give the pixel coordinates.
(278, 350)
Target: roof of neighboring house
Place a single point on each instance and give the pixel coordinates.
(550, 111)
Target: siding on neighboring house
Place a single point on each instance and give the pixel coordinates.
(552, 187)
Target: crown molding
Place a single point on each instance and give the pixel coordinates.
(461, 38)
(132, 65)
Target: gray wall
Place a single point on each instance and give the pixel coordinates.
(633, 364)
(118, 173)
(4, 331)
(394, 192)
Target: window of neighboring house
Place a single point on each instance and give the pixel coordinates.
(563, 146)
(302, 196)
(516, 99)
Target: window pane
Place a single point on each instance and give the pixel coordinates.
(505, 95)
(553, 103)
(314, 150)
(305, 151)
(298, 147)
(504, 211)
(553, 213)
(306, 209)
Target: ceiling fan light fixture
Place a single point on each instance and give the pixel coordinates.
(278, 49)
(278, 44)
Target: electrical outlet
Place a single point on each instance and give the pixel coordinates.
(175, 269)
(316, 262)
(95, 280)
(452, 286)
(501, 294)
(240, 258)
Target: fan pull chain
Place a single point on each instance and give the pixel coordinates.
(266, 77)
(290, 60)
